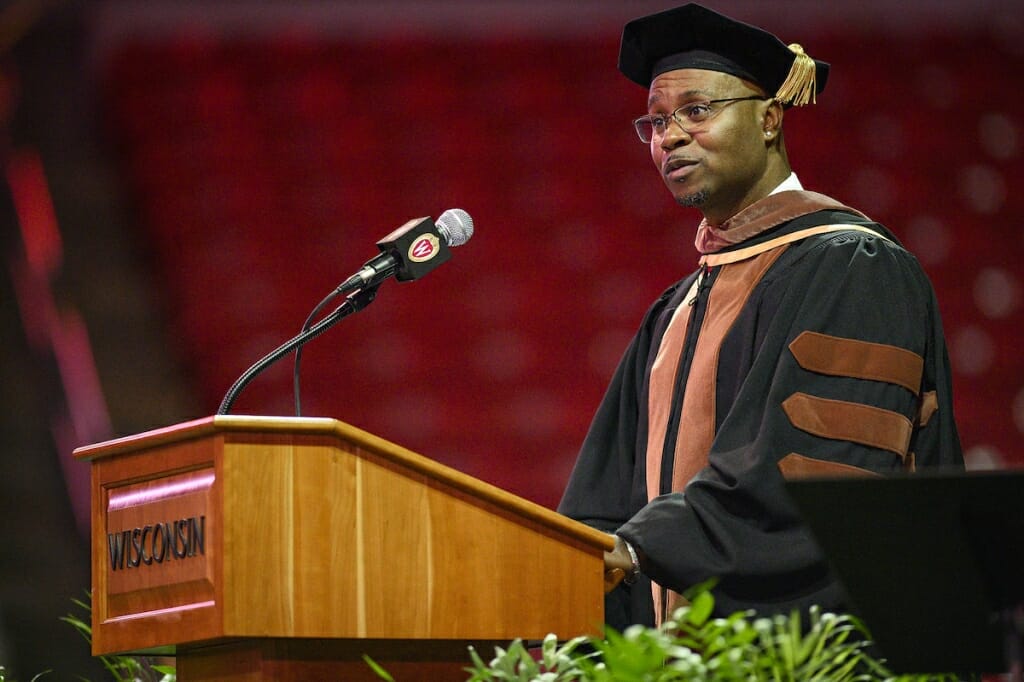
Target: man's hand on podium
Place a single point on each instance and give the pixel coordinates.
(620, 564)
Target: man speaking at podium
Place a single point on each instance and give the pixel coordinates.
(808, 342)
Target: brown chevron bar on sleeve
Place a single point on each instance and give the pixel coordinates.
(842, 420)
(929, 406)
(838, 356)
(795, 465)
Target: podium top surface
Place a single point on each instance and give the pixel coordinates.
(228, 425)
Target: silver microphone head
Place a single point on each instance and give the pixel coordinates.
(456, 226)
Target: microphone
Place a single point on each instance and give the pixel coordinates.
(413, 250)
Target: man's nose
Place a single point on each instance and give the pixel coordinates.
(675, 135)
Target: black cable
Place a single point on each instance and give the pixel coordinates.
(353, 304)
(298, 351)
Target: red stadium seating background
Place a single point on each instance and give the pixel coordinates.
(263, 171)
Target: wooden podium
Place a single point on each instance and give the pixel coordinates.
(259, 548)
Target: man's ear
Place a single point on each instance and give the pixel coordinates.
(772, 124)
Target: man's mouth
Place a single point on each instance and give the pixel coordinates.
(676, 170)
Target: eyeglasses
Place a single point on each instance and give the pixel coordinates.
(689, 117)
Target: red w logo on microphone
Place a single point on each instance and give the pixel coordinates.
(423, 249)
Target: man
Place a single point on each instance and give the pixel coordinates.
(807, 343)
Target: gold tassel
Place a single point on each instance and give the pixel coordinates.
(800, 85)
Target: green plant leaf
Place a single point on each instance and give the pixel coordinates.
(377, 669)
(701, 608)
(549, 652)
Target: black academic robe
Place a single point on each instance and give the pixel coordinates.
(733, 520)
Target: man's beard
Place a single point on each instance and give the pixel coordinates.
(691, 200)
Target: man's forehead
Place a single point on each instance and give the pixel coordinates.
(692, 82)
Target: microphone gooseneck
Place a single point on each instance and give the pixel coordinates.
(409, 252)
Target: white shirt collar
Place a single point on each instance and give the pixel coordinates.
(790, 183)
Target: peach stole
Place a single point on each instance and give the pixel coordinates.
(696, 430)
